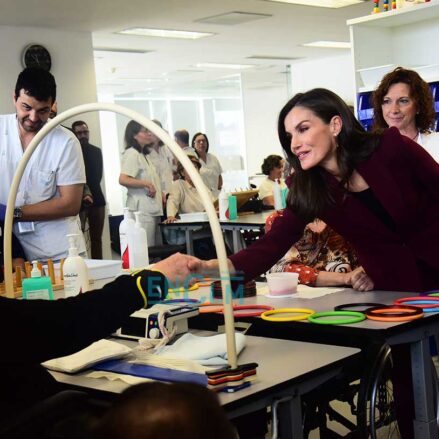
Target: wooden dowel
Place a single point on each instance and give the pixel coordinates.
(40, 267)
(51, 270)
(18, 279)
(27, 268)
(61, 265)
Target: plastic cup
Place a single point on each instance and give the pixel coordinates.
(282, 284)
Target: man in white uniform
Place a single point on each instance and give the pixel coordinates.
(50, 192)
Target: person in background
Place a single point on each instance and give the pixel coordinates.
(34, 331)
(321, 257)
(184, 197)
(94, 210)
(50, 192)
(378, 190)
(182, 138)
(162, 159)
(404, 100)
(139, 176)
(273, 167)
(165, 411)
(18, 256)
(210, 166)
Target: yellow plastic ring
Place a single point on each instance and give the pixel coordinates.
(183, 289)
(304, 314)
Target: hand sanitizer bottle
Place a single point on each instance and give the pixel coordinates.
(138, 245)
(223, 203)
(126, 224)
(37, 287)
(75, 271)
(277, 195)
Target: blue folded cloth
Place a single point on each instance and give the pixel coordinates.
(208, 351)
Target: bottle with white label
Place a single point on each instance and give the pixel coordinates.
(37, 286)
(75, 271)
(277, 195)
(138, 245)
(223, 203)
(126, 224)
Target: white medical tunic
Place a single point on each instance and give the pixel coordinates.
(57, 161)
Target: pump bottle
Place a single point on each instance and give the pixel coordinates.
(277, 195)
(138, 245)
(37, 286)
(223, 202)
(126, 224)
(75, 271)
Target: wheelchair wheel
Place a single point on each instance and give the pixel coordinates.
(376, 415)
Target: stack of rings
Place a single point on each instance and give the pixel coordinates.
(394, 313)
(352, 317)
(304, 313)
(427, 303)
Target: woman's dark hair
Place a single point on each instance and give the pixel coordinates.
(193, 142)
(271, 162)
(194, 161)
(419, 91)
(132, 130)
(309, 193)
(158, 123)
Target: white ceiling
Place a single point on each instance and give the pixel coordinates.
(170, 64)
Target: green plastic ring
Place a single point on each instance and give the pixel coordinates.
(355, 317)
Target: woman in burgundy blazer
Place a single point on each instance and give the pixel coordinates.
(380, 191)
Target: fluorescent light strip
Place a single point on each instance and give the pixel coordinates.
(225, 66)
(320, 3)
(165, 33)
(329, 44)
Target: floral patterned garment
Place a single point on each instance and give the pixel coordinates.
(319, 249)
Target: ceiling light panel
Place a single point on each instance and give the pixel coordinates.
(225, 66)
(165, 33)
(119, 50)
(320, 3)
(329, 44)
(232, 18)
(274, 57)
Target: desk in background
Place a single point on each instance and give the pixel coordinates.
(245, 221)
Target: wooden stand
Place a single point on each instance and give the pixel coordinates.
(57, 284)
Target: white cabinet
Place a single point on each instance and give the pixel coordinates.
(405, 37)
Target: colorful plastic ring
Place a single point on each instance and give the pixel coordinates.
(431, 305)
(171, 301)
(209, 308)
(354, 317)
(183, 289)
(260, 309)
(404, 300)
(304, 314)
(433, 293)
(349, 306)
(394, 313)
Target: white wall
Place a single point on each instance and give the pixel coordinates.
(335, 73)
(261, 108)
(72, 66)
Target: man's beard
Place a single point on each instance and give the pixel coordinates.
(33, 127)
(83, 142)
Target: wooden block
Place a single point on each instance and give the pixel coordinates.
(51, 270)
(18, 279)
(27, 268)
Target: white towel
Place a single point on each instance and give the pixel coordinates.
(99, 351)
(209, 351)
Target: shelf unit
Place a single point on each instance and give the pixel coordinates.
(403, 37)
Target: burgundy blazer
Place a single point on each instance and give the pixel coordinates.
(405, 179)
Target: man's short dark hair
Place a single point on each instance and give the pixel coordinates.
(182, 136)
(78, 123)
(36, 82)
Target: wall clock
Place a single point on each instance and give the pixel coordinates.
(35, 55)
